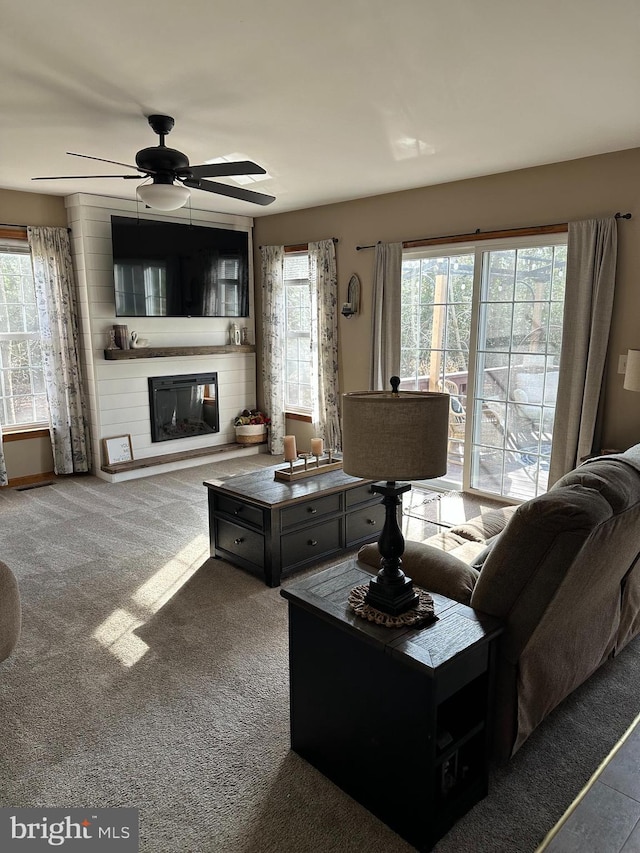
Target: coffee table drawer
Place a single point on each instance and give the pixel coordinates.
(243, 512)
(240, 541)
(364, 523)
(310, 510)
(313, 542)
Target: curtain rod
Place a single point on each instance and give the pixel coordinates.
(490, 235)
(23, 227)
(301, 247)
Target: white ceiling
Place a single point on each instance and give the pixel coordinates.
(337, 99)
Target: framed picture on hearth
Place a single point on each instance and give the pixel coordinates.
(117, 449)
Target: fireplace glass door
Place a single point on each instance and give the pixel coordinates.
(183, 406)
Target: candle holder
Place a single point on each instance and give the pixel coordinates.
(302, 470)
(306, 456)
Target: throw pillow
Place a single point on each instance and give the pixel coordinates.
(430, 568)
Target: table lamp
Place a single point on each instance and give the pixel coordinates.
(391, 436)
(632, 373)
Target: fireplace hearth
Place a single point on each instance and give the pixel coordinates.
(183, 406)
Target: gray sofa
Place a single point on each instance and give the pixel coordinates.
(563, 573)
(10, 611)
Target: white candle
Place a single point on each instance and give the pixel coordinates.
(317, 446)
(290, 453)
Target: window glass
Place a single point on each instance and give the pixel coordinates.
(299, 387)
(22, 394)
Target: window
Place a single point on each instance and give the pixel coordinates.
(298, 391)
(23, 398)
(484, 324)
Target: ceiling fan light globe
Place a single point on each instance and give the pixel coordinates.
(164, 196)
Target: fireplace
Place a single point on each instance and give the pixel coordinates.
(183, 406)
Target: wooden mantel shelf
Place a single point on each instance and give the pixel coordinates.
(166, 352)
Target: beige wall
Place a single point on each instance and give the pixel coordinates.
(18, 208)
(28, 458)
(579, 189)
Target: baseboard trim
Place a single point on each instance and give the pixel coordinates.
(29, 480)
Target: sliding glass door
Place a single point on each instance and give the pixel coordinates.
(484, 324)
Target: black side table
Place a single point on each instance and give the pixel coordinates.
(398, 718)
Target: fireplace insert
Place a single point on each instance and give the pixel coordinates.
(183, 406)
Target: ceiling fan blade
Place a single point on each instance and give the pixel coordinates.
(232, 192)
(218, 170)
(102, 160)
(78, 177)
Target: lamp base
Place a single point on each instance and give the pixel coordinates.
(392, 598)
(391, 591)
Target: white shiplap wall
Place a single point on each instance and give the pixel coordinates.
(117, 391)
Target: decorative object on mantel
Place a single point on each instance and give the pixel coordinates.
(122, 336)
(117, 449)
(251, 427)
(390, 436)
(111, 339)
(234, 334)
(137, 342)
(418, 617)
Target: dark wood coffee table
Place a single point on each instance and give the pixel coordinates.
(272, 528)
(398, 718)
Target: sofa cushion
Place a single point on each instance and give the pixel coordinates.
(485, 526)
(433, 569)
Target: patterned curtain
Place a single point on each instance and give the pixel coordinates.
(324, 341)
(592, 250)
(386, 310)
(3, 468)
(54, 284)
(273, 343)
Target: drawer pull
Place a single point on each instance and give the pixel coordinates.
(312, 542)
(238, 510)
(238, 541)
(371, 521)
(312, 510)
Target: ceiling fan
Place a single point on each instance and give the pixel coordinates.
(171, 175)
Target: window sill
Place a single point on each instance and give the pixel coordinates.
(23, 433)
(298, 416)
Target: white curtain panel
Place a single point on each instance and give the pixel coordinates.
(54, 284)
(273, 343)
(324, 341)
(3, 468)
(590, 283)
(386, 311)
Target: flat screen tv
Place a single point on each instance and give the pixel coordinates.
(168, 269)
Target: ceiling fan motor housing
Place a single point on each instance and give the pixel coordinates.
(162, 159)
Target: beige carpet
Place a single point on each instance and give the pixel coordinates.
(150, 676)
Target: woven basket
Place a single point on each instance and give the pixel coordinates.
(251, 434)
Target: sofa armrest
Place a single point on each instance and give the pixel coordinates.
(430, 568)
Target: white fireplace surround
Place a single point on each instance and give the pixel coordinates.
(117, 391)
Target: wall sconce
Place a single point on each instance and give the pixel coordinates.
(352, 304)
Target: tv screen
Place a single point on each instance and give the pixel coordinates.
(168, 269)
